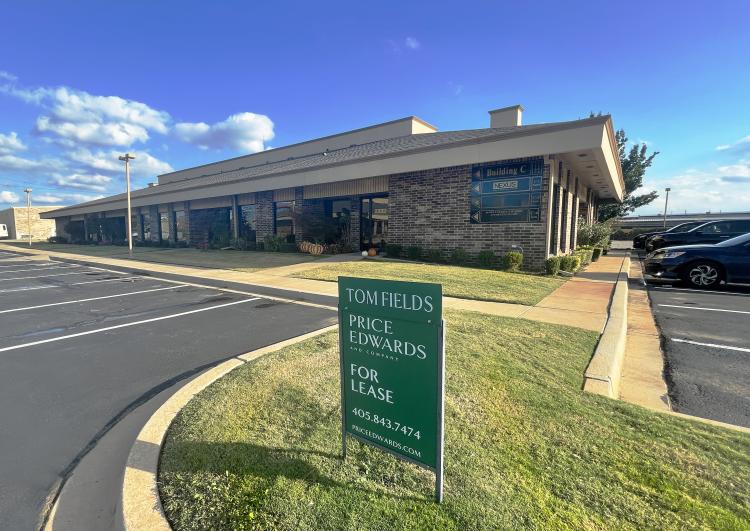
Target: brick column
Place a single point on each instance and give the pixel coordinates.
(153, 215)
(264, 215)
(235, 218)
(356, 216)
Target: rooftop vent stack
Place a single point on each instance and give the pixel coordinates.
(506, 117)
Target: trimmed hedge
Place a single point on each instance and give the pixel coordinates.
(393, 250)
(487, 259)
(512, 261)
(459, 256)
(552, 265)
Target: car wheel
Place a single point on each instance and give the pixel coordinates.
(703, 275)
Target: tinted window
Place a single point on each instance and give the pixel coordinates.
(741, 226)
(285, 219)
(686, 226)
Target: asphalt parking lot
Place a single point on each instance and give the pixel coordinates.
(706, 340)
(81, 346)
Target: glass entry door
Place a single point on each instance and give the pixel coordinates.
(374, 222)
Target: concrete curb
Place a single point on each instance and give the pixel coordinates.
(603, 373)
(141, 505)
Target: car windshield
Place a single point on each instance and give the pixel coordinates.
(700, 226)
(684, 227)
(737, 240)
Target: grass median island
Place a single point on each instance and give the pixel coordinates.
(525, 447)
(245, 261)
(463, 282)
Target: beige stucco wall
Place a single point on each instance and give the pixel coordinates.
(18, 227)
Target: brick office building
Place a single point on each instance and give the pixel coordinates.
(403, 182)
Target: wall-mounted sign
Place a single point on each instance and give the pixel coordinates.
(392, 377)
(506, 192)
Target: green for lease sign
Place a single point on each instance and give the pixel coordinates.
(392, 371)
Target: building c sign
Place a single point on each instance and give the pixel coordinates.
(391, 348)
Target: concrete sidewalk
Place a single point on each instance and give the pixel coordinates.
(582, 302)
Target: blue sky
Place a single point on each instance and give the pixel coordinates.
(185, 83)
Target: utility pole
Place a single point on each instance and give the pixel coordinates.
(666, 202)
(127, 158)
(28, 212)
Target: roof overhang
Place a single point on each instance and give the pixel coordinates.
(593, 136)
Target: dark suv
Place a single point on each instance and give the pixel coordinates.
(639, 242)
(711, 232)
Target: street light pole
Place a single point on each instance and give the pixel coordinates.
(127, 158)
(28, 212)
(666, 202)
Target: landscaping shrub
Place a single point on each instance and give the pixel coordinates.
(594, 234)
(576, 263)
(512, 261)
(459, 256)
(393, 250)
(414, 252)
(434, 255)
(57, 239)
(568, 263)
(487, 259)
(552, 265)
(596, 253)
(273, 243)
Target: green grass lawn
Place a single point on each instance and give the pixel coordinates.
(464, 282)
(525, 448)
(246, 261)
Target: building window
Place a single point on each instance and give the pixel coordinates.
(146, 226)
(247, 222)
(284, 219)
(164, 226)
(374, 222)
(180, 225)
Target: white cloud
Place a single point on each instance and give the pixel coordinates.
(725, 188)
(10, 142)
(244, 131)
(412, 43)
(6, 196)
(83, 117)
(63, 198)
(144, 165)
(13, 162)
(107, 134)
(97, 183)
(742, 145)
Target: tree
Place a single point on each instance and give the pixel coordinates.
(634, 166)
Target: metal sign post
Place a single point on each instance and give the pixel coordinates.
(391, 337)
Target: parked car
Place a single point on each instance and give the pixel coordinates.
(639, 242)
(3, 231)
(703, 266)
(711, 232)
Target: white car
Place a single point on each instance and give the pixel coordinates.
(3, 231)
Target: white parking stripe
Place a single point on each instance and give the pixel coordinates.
(704, 309)
(37, 269)
(665, 288)
(47, 276)
(92, 299)
(124, 325)
(714, 345)
(22, 262)
(71, 284)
